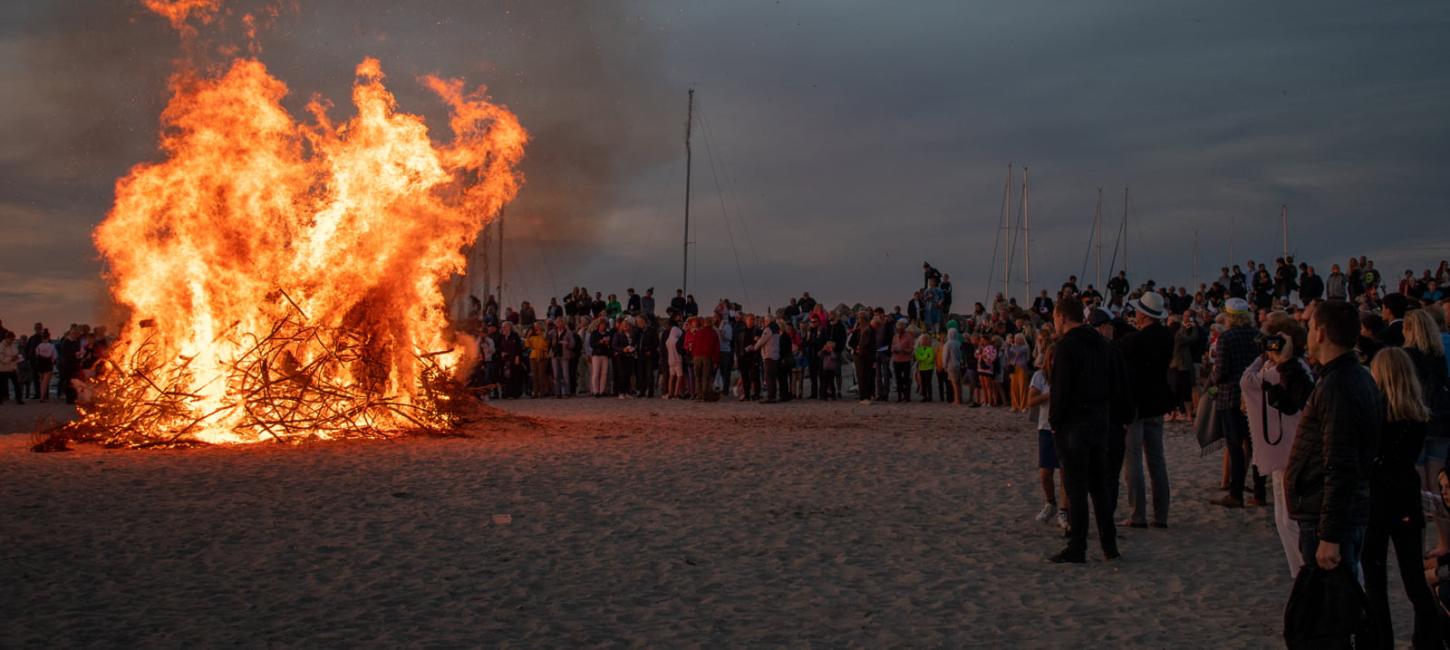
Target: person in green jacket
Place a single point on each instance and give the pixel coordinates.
(925, 366)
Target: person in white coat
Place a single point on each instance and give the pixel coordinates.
(1275, 389)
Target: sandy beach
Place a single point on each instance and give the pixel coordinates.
(609, 522)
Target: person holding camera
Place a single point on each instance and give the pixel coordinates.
(1275, 389)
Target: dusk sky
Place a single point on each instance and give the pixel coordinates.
(853, 140)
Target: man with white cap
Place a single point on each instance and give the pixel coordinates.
(1235, 352)
(1147, 351)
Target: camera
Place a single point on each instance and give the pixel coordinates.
(1272, 342)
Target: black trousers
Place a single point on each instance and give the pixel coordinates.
(865, 378)
(1089, 475)
(902, 370)
(750, 376)
(1409, 549)
(815, 377)
(782, 378)
(771, 378)
(66, 388)
(923, 377)
(623, 374)
(828, 387)
(8, 379)
(644, 376)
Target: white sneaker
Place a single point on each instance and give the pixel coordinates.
(1047, 511)
(1062, 521)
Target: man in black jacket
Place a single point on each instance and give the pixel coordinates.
(1328, 478)
(1147, 351)
(1089, 402)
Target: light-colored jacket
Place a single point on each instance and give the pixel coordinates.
(9, 355)
(768, 344)
(1267, 458)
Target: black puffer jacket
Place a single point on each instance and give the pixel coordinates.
(1090, 387)
(1329, 468)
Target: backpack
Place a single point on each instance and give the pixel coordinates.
(1327, 609)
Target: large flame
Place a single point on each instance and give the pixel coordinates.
(281, 272)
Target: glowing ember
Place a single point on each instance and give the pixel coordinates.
(284, 277)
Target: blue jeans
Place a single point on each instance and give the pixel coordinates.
(1349, 547)
(1145, 443)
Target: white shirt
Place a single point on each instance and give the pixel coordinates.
(1039, 382)
(45, 350)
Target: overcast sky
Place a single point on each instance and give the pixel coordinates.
(853, 140)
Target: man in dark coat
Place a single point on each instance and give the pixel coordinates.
(1147, 352)
(1328, 478)
(1090, 399)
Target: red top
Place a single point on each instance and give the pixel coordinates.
(704, 342)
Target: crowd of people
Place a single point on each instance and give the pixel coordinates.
(1335, 390)
(38, 366)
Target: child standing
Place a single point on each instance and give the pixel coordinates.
(925, 365)
(1038, 395)
(830, 365)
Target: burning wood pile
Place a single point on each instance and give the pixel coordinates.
(283, 277)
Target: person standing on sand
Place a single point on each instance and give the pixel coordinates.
(600, 350)
(1330, 465)
(902, 346)
(1275, 388)
(1234, 352)
(1395, 513)
(768, 346)
(1148, 352)
(1038, 397)
(704, 347)
(925, 356)
(1089, 400)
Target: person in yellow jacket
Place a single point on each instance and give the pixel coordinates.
(925, 365)
(538, 346)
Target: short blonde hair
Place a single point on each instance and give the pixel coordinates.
(1421, 333)
(1395, 374)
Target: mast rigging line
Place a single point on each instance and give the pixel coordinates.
(997, 240)
(724, 214)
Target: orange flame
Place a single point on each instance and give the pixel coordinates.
(254, 219)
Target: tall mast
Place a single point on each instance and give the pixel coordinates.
(1195, 259)
(1026, 240)
(1006, 230)
(1098, 228)
(500, 262)
(1284, 220)
(689, 121)
(1125, 230)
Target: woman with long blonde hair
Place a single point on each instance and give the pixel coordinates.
(1395, 514)
(1427, 352)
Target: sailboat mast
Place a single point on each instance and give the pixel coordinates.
(689, 121)
(1125, 228)
(1006, 229)
(1284, 220)
(500, 262)
(1098, 229)
(1026, 240)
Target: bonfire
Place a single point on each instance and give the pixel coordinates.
(283, 276)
